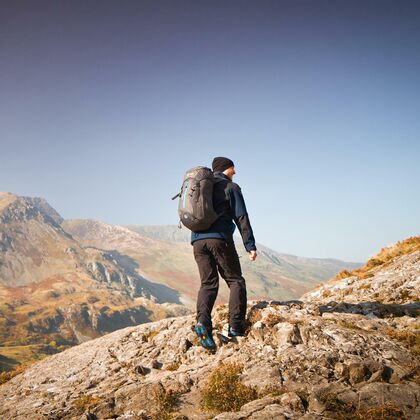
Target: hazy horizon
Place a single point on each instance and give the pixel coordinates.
(104, 105)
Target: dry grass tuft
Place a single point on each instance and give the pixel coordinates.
(342, 275)
(385, 257)
(386, 411)
(272, 319)
(296, 321)
(271, 390)
(225, 391)
(173, 366)
(348, 324)
(413, 372)
(326, 293)
(7, 376)
(165, 401)
(346, 411)
(254, 316)
(86, 402)
(409, 339)
(149, 335)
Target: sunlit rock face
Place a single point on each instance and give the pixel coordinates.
(303, 358)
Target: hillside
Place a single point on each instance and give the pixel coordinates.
(300, 359)
(296, 267)
(171, 233)
(392, 276)
(168, 259)
(55, 293)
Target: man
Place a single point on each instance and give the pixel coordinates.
(214, 251)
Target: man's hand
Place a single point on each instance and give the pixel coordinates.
(252, 255)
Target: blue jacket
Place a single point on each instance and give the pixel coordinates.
(228, 201)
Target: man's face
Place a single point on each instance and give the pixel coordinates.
(229, 172)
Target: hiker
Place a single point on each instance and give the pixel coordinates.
(214, 251)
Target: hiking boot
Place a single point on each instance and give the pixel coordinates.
(204, 336)
(235, 333)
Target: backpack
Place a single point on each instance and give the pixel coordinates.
(195, 206)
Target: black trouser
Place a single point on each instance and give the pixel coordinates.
(213, 255)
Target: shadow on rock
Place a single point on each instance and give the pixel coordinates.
(380, 310)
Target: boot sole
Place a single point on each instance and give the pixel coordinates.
(204, 338)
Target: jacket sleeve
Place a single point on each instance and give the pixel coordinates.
(241, 218)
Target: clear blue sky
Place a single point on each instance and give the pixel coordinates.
(105, 104)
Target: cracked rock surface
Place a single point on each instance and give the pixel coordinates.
(319, 354)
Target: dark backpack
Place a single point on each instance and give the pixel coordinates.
(195, 207)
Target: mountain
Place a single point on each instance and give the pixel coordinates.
(163, 262)
(341, 355)
(302, 268)
(54, 292)
(171, 233)
(168, 259)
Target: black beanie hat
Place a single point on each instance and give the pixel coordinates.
(221, 163)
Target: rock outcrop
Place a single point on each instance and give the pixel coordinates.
(301, 359)
(396, 282)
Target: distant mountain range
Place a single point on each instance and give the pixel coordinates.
(55, 293)
(171, 233)
(63, 282)
(164, 255)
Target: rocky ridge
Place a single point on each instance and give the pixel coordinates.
(394, 279)
(305, 359)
